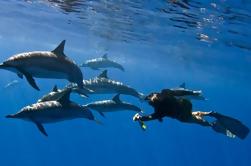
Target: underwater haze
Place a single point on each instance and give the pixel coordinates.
(161, 44)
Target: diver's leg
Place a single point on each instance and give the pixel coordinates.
(197, 117)
(200, 114)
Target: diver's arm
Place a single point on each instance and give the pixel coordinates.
(153, 116)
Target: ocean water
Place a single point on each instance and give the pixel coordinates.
(160, 43)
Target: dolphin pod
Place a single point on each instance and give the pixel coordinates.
(56, 106)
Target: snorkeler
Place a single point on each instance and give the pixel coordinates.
(168, 103)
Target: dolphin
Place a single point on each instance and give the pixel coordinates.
(188, 94)
(56, 93)
(103, 85)
(53, 111)
(102, 62)
(113, 105)
(11, 84)
(53, 95)
(44, 64)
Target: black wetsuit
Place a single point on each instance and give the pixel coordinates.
(167, 105)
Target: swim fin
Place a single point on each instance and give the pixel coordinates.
(219, 128)
(229, 126)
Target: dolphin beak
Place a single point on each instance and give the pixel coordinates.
(10, 116)
(2, 66)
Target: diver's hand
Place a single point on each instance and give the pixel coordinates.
(136, 117)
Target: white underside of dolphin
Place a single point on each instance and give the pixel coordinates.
(44, 64)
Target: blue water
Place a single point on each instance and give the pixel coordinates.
(161, 44)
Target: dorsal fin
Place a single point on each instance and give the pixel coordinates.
(105, 56)
(55, 88)
(103, 74)
(59, 50)
(116, 98)
(183, 85)
(65, 98)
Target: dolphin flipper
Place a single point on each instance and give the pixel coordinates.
(31, 81)
(101, 113)
(41, 128)
(29, 78)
